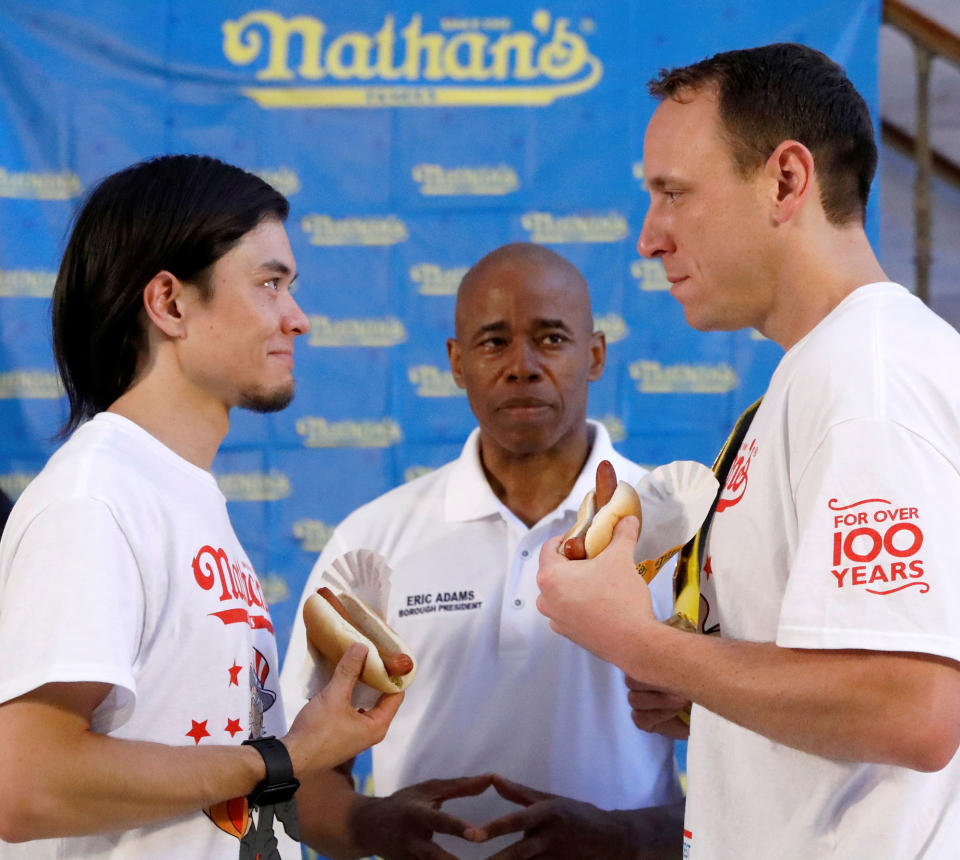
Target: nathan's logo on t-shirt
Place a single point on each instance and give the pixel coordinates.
(238, 584)
(876, 546)
(736, 486)
(429, 602)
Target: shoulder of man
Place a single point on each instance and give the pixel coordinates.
(367, 525)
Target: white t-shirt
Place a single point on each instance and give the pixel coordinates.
(496, 689)
(836, 529)
(119, 565)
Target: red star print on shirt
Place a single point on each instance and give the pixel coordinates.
(233, 726)
(706, 567)
(198, 731)
(234, 671)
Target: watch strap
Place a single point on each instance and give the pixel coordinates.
(280, 784)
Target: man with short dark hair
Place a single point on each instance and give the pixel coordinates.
(828, 571)
(139, 699)
(496, 690)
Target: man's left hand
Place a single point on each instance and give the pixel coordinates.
(555, 827)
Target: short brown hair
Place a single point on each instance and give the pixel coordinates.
(789, 92)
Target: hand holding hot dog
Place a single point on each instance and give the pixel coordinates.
(329, 730)
(600, 603)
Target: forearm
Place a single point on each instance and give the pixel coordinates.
(891, 708)
(656, 833)
(325, 804)
(99, 783)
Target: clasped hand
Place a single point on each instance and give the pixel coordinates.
(401, 826)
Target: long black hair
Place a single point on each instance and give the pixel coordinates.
(178, 213)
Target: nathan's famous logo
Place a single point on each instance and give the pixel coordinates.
(876, 545)
(312, 534)
(30, 385)
(651, 377)
(32, 283)
(326, 332)
(238, 584)
(326, 230)
(432, 381)
(283, 179)
(434, 280)
(319, 433)
(649, 275)
(254, 486)
(438, 181)
(467, 62)
(736, 485)
(615, 427)
(612, 325)
(39, 186)
(411, 473)
(546, 228)
(14, 483)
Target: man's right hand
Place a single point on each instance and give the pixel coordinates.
(654, 710)
(329, 730)
(401, 826)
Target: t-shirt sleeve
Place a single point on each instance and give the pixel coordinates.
(875, 564)
(72, 607)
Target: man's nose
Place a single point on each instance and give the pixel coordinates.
(654, 240)
(294, 319)
(523, 360)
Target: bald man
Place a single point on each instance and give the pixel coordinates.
(497, 692)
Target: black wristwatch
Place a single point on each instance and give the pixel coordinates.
(280, 784)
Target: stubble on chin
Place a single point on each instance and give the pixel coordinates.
(267, 401)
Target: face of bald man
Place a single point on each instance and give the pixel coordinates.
(525, 352)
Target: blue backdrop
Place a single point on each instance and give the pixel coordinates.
(411, 138)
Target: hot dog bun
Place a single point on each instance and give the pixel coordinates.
(588, 509)
(596, 527)
(625, 503)
(331, 635)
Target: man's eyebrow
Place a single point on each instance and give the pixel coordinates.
(279, 267)
(660, 183)
(549, 323)
(500, 325)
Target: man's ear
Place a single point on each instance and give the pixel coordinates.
(790, 167)
(163, 301)
(456, 368)
(598, 355)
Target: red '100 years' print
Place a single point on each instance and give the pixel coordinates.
(876, 546)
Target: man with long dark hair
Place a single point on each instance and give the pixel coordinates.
(140, 701)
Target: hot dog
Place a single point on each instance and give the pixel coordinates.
(599, 513)
(334, 623)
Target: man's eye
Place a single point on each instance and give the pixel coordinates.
(672, 196)
(272, 283)
(555, 338)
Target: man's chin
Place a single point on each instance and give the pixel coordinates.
(267, 401)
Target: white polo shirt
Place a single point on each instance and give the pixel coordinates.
(496, 689)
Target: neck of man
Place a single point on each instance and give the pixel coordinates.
(189, 423)
(531, 484)
(816, 277)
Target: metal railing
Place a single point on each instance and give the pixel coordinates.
(930, 40)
